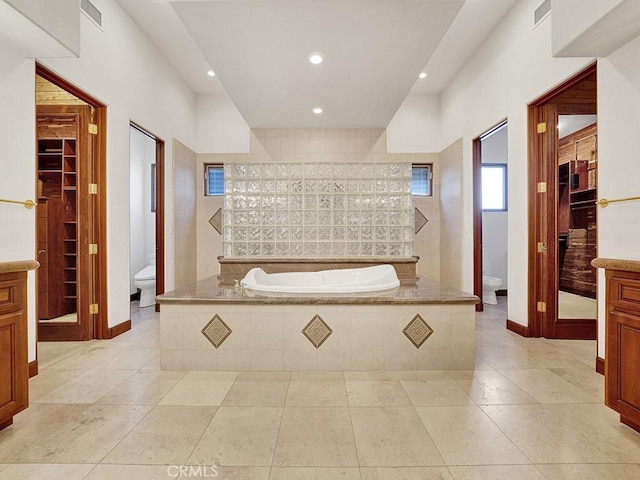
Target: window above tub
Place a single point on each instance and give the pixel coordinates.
(421, 180)
(213, 179)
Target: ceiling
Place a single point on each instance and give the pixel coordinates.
(373, 49)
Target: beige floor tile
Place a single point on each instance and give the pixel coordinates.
(200, 388)
(424, 375)
(317, 390)
(587, 380)
(137, 472)
(143, 388)
(436, 392)
(40, 471)
(258, 389)
(464, 435)
(590, 472)
(315, 473)
(546, 387)
(3, 466)
(490, 387)
(242, 473)
(405, 473)
(316, 436)
(87, 388)
(543, 437)
(129, 359)
(496, 472)
(41, 385)
(239, 436)
(376, 393)
(166, 436)
(392, 436)
(87, 437)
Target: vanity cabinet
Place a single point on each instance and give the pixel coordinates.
(14, 367)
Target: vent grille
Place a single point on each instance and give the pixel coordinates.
(91, 11)
(541, 12)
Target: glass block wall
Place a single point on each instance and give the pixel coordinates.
(318, 209)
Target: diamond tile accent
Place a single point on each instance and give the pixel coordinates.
(216, 221)
(420, 220)
(216, 331)
(417, 330)
(317, 331)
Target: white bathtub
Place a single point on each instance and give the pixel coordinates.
(347, 280)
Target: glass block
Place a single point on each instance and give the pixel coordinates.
(282, 249)
(338, 186)
(353, 186)
(239, 234)
(282, 170)
(227, 218)
(353, 249)
(253, 202)
(366, 217)
(382, 186)
(408, 249)
(297, 233)
(367, 202)
(353, 218)
(282, 217)
(395, 186)
(296, 186)
(310, 233)
(268, 233)
(352, 170)
(406, 169)
(324, 249)
(310, 217)
(353, 234)
(253, 186)
(396, 234)
(408, 217)
(381, 217)
(239, 170)
(282, 186)
(338, 248)
(324, 201)
(310, 201)
(268, 170)
(381, 201)
(282, 202)
(395, 170)
(324, 233)
(381, 170)
(310, 185)
(295, 201)
(239, 217)
(325, 170)
(254, 171)
(381, 250)
(381, 233)
(408, 234)
(253, 249)
(338, 233)
(394, 201)
(407, 202)
(297, 169)
(228, 170)
(282, 234)
(339, 169)
(395, 249)
(268, 249)
(366, 233)
(310, 249)
(310, 169)
(324, 185)
(296, 249)
(254, 234)
(324, 217)
(366, 248)
(268, 217)
(268, 186)
(227, 234)
(396, 217)
(339, 217)
(406, 187)
(240, 249)
(227, 249)
(239, 186)
(338, 201)
(366, 186)
(239, 202)
(228, 203)
(353, 202)
(295, 217)
(254, 217)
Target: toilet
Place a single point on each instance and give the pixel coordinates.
(145, 280)
(489, 287)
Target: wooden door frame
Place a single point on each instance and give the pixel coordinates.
(101, 328)
(542, 167)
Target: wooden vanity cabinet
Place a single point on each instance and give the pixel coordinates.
(622, 355)
(14, 368)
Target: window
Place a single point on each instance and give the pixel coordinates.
(494, 187)
(213, 179)
(421, 180)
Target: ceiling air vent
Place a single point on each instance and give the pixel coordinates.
(541, 12)
(92, 12)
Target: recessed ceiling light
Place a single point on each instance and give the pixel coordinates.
(422, 75)
(316, 58)
(211, 73)
(317, 110)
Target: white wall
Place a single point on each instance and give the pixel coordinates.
(415, 128)
(618, 166)
(220, 127)
(142, 231)
(512, 68)
(495, 224)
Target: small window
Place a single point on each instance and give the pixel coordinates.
(421, 180)
(213, 179)
(494, 187)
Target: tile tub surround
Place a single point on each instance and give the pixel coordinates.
(425, 326)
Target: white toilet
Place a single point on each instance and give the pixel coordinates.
(145, 280)
(489, 287)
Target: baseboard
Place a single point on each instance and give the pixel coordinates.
(501, 293)
(120, 329)
(600, 365)
(517, 328)
(33, 368)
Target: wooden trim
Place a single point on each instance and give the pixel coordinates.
(54, 78)
(120, 329)
(519, 329)
(477, 221)
(33, 368)
(533, 147)
(600, 365)
(630, 423)
(566, 85)
(160, 214)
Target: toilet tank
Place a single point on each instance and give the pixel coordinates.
(152, 259)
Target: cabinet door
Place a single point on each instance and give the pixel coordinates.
(13, 365)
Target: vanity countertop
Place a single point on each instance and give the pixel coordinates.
(18, 266)
(628, 265)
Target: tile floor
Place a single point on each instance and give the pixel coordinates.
(532, 409)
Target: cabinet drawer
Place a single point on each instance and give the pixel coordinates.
(625, 292)
(12, 295)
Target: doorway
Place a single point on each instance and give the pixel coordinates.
(71, 215)
(562, 215)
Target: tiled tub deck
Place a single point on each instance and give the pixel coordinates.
(414, 327)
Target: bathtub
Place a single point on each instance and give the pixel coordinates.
(347, 280)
